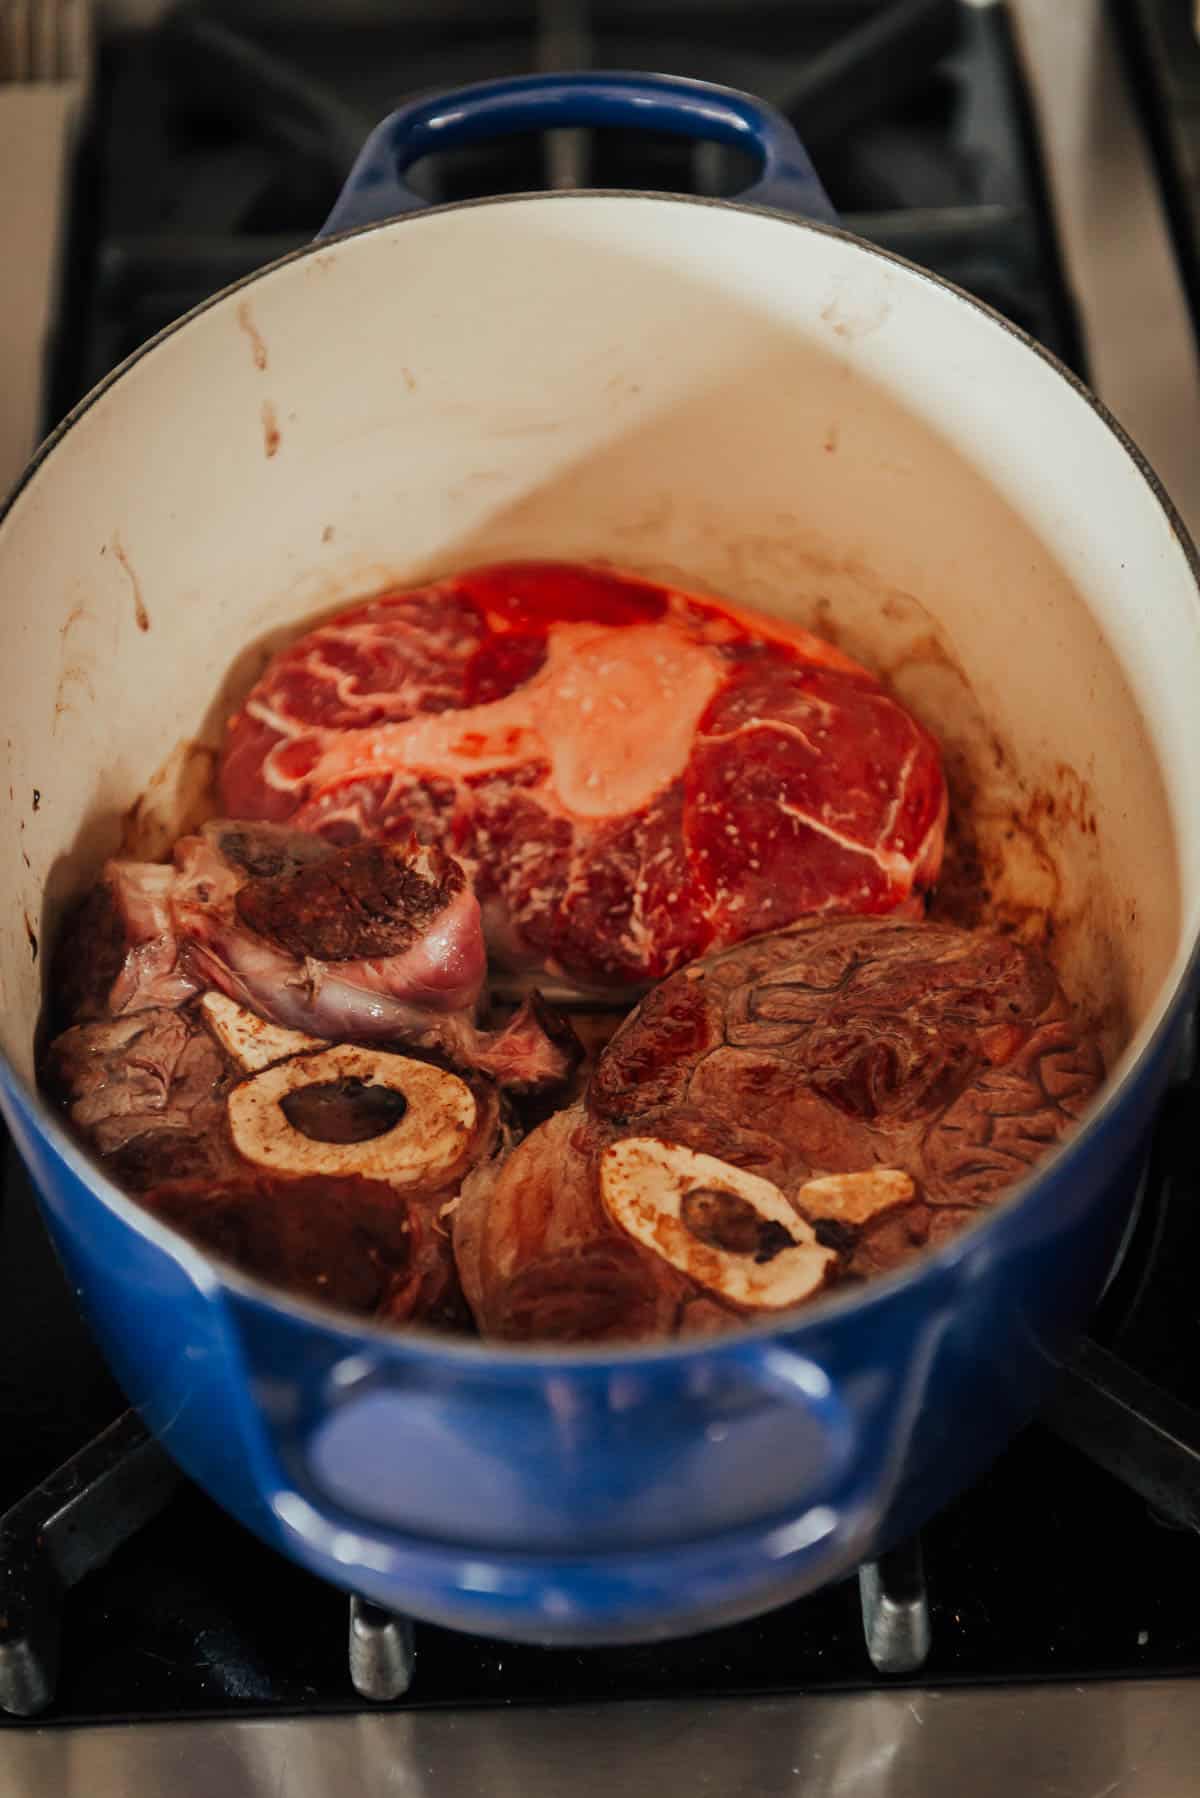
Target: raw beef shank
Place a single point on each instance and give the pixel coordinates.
(377, 943)
(812, 1106)
(631, 775)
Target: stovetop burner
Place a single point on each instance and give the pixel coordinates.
(218, 143)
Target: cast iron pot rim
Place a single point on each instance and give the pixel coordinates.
(212, 1274)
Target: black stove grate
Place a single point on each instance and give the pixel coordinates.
(1163, 56)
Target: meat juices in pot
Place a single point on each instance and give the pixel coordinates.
(808, 1108)
(632, 775)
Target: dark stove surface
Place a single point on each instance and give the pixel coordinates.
(219, 143)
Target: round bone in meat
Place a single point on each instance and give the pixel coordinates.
(539, 1259)
(346, 1203)
(424, 1147)
(729, 1231)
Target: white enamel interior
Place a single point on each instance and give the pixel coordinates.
(751, 406)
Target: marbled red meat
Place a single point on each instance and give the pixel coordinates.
(632, 775)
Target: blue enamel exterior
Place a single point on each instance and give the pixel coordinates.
(375, 189)
(582, 1499)
(596, 1497)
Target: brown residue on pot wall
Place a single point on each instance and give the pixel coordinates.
(258, 348)
(73, 669)
(270, 426)
(1023, 854)
(1000, 868)
(139, 609)
(852, 321)
(1009, 846)
(31, 933)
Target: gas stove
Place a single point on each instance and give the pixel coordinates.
(1044, 1633)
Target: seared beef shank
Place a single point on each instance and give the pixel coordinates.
(324, 1169)
(808, 1107)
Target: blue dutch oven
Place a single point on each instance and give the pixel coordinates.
(744, 394)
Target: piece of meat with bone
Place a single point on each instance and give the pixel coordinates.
(584, 1236)
(369, 943)
(323, 1169)
(372, 942)
(809, 1107)
(631, 774)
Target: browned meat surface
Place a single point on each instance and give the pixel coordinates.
(352, 904)
(270, 854)
(859, 1042)
(153, 1073)
(805, 1108)
(346, 1242)
(326, 1172)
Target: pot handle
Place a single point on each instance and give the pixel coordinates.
(605, 1491)
(375, 189)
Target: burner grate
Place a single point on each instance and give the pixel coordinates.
(65, 1528)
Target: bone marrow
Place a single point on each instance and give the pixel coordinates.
(726, 1220)
(346, 1110)
(428, 1139)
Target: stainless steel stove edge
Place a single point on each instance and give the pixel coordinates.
(1127, 1737)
